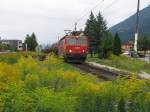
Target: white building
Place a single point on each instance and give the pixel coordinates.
(15, 45)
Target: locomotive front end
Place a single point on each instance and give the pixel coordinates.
(76, 48)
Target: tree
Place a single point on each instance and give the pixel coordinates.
(4, 47)
(106, 45)
(95, 27)
(90, 31)
(101, 27)
(31, 42)
(34, 41)
(117, 45)
(144, 44)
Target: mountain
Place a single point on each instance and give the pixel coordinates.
(126, 28)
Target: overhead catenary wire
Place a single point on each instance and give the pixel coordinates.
(85, 11)
(97, 4)
(109, 6)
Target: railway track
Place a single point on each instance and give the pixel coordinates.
(101, 73)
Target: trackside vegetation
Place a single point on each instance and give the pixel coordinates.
(12, 58)
(29, 85)
(123, 62)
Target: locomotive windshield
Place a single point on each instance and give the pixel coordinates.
(75, 41)
(81, 41)
(71, 41)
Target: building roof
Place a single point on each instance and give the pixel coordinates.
(9, 40)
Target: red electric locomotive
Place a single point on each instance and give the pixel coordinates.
(73, 48)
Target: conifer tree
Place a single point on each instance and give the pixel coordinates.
(34, 41)
(101, 27)
(90, 31)
(106, 46)
(95, 27)
(117, 45)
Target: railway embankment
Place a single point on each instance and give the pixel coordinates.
(144, 75)
(123, 64)
(110, 69)
(120, 72)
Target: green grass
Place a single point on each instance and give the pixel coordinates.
(124, 63)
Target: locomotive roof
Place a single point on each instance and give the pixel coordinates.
(74, 33)
(70, 36)
(62, 38)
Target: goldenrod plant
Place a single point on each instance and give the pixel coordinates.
(29, 85)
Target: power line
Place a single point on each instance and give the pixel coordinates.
(99, 2)
(87, 12)
(109, 6)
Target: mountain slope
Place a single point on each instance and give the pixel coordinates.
(126, 28)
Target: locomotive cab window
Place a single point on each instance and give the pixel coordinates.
(81, 41)
(71, 41)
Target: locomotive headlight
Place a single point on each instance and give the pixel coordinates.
(70, 51)
(83, 51)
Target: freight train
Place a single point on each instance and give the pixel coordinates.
(73, 47)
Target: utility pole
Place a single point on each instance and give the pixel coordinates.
(75, 26)
(137, 27)
(26, 46)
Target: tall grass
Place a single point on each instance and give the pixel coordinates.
(33, 86)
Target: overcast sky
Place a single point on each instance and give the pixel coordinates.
(49, 18)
